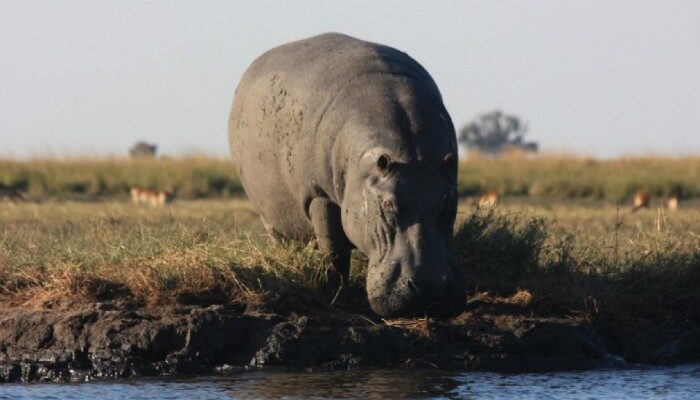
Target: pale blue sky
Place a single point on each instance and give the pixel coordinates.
(603, 77)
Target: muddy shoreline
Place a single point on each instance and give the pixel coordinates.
(108, 340)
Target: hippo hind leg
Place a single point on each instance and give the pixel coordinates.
(328, 228)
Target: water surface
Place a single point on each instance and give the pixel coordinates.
(674, 382)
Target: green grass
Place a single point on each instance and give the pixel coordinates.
(542, 176)
(584, 261)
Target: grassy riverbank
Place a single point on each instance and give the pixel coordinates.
(588, 261)
(106, 289)
(542, 176)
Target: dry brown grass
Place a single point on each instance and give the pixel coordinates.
(83, 178)
(189, 253)
(570, 176)
(582, 260)
(512, 174)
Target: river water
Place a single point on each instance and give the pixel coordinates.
(670, 382)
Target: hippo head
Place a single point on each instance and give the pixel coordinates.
(400, 212)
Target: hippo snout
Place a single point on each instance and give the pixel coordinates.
(394, 292)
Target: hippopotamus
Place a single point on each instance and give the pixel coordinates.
(349, 142)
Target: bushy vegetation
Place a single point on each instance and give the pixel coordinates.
(643, 267)
(511, 174)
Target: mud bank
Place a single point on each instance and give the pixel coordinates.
(103, 340)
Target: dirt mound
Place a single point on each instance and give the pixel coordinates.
(103, 341)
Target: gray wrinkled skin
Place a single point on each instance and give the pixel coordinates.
(349, 141)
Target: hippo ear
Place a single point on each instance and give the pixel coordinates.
(449, 160)
(383, 163)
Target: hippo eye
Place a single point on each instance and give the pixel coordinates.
(449, 160)
(384, 163)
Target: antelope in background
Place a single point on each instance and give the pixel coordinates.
(10, 193)
(641, 200)
(142, 195)
(488, 199)
(672, 202)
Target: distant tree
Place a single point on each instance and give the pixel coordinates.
(143, 150)
(494, 132)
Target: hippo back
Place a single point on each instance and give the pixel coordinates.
(286, 116)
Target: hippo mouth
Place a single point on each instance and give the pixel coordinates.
(392, 295)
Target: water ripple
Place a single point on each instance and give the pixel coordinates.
(671, 382)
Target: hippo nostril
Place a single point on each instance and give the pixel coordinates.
(412, 286)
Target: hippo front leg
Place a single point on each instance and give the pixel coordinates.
(328, 228)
